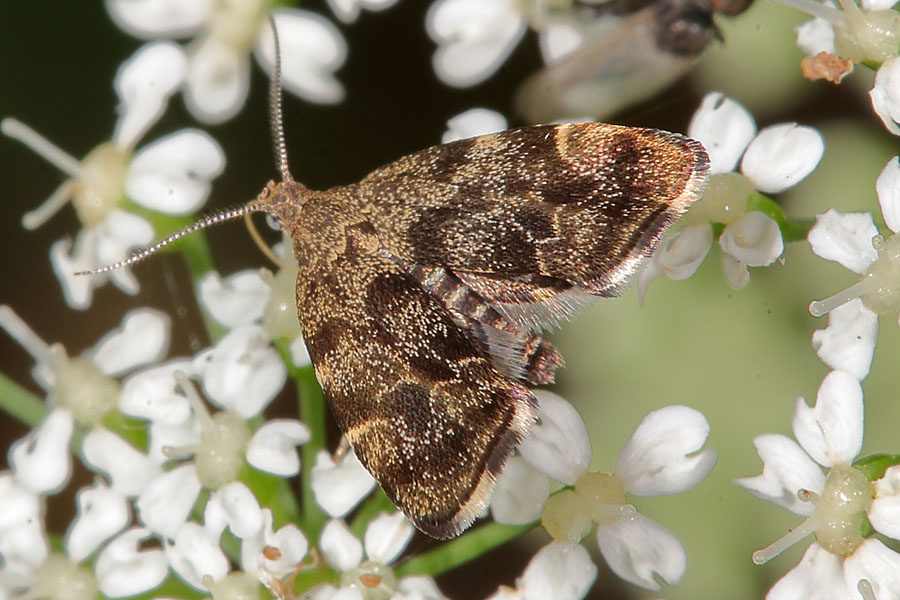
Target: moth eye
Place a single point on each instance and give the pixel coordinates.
(273, 222)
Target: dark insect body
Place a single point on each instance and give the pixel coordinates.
(424, 288)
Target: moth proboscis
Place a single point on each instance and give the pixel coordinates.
(423, 289)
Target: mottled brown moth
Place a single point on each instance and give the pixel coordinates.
(423, 289)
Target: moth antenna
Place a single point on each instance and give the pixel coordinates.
(205, 222)
(260, 242)
(275, 113)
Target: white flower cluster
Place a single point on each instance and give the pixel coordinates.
(771, 161)
(863, 33)
(844, 561)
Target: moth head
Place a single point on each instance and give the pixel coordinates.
(279, 200)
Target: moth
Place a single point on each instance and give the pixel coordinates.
(423, 290)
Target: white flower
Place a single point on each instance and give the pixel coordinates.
(123, 569)
(81, 391)
(663, 456)
(557, 447)
(773, 160)
(194, 554)
(250, 296)
(218, 65)
(866, 32)
(559, 570)
(474, 37)
(242, 372)
(852, 240)
(830, 435)
(348, 10)
(340, 485)
(171, 175)
(365, 567)
(220, 444)
(848, 343)
(473, 122)
(885, 94)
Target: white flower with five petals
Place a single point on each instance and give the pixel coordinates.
(365, 566)
(171, 175)
(835, 503)
(218, 64)
(663, 456)
(771, 161)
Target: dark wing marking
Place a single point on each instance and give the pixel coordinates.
(580, 203)
(427, 414)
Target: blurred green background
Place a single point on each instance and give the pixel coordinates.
(740, 357)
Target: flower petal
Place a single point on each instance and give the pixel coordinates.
(473, 122)
(242, 372)
(818, 575)
(786, 470)
(849, 340)
(195, 553)
(120, 233)
(154, 395)
(781, 156)
(288, 540)
(519, 493)
(725, 128)
(172, 175)
(159, 18)
(312, 49)
(299, 353)
(831, 432)
(142, 339)
(143, 84)
(736, 273)
(754, 239)
(128, 469)
(682, 254)
(387, 535)
(878, 564)
(102, 513)
(273, 447)
(338, 487)
(884, 513)
(815, 36)
(417, 587)
(558, 445)
(885, 94)
(559, 570)
(41, 459)
(474, 37)
(887, 186)
(217, 81)
(20, 505)
(340, 548)
(845, 238)
(123, 570)
(636, 548)
(239, 299)
(166, 502)
(657, 458)
(233, 506)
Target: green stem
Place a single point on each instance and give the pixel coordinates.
(792, 230)
(20, 403)
(468, 546)
(311, 403)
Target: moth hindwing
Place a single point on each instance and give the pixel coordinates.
(423, 290)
